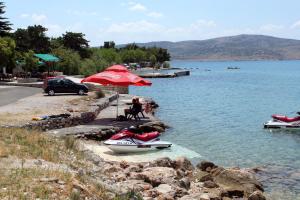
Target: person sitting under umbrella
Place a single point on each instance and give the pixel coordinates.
(134, 109)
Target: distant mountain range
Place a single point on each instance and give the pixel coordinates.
(240, 47)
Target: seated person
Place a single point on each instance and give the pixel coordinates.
(136, 108)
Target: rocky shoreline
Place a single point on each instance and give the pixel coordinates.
(165, 179)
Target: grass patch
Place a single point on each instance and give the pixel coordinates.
(24, 143)
(26, 184)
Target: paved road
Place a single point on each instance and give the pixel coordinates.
(11, 94)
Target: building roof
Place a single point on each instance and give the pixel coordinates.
(47, 57)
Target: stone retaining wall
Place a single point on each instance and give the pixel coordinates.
(75, 119)
(36, 84)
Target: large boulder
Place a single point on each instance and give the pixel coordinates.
(183, 163)
(161, 162)
(129, 185)
(206, 165)
(237, 182)
(210, 184)
(257, 195)
(157, 175)
(153, 126)
(185, 183)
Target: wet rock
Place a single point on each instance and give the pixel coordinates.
(257, 195)
(210, 184)
(183, 163)
(216, 171)
(198, 174)
(238, 182)
(207, 177)
(203, 165)
(153, 126)
(185, 183)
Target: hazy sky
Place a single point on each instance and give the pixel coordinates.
(155, 20)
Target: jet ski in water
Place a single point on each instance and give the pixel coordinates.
(127, 141)
(284, 122)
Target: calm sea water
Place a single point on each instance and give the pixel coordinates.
(219, 114)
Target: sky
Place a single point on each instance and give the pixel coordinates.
(127, 21)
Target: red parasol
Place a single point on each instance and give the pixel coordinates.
(117, 75)
(117, 68)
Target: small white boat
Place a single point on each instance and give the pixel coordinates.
(128, 142)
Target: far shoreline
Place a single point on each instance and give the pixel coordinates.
(201, 60)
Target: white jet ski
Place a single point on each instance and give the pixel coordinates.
(283, 122)
(128, 142)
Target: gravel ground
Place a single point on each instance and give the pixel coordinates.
(25, 109)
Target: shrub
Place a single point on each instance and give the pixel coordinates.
(166, 65)
(99, 94)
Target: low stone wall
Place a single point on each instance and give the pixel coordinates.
(27, 80)
(36, 84)
(73, 120)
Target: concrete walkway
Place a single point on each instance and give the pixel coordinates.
(105, 120)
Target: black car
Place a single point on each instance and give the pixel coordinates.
(63, 85)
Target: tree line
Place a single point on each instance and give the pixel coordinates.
(76, 56)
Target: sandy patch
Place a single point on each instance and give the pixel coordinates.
(108, 155)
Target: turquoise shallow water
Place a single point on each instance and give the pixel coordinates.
(219, 114)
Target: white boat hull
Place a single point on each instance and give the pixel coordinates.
(272, 124)
(133, 145)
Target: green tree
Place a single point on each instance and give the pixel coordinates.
(33, 38)
(7, 53)
(109, 45)
(70, 60)
(108, 56)
(152, 60)
(76, 42)
(88, 67)
(131, 46)
(39, 42)
(22, 39)
(139, 55)
(4, 24)
(128, 56)
(30, 62)
(162, 55)
(56, 43)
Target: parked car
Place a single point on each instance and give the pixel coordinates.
(63, 85)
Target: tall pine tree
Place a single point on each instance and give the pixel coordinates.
(4, 24)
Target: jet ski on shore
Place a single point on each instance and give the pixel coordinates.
(283, 122)
(127, 141)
